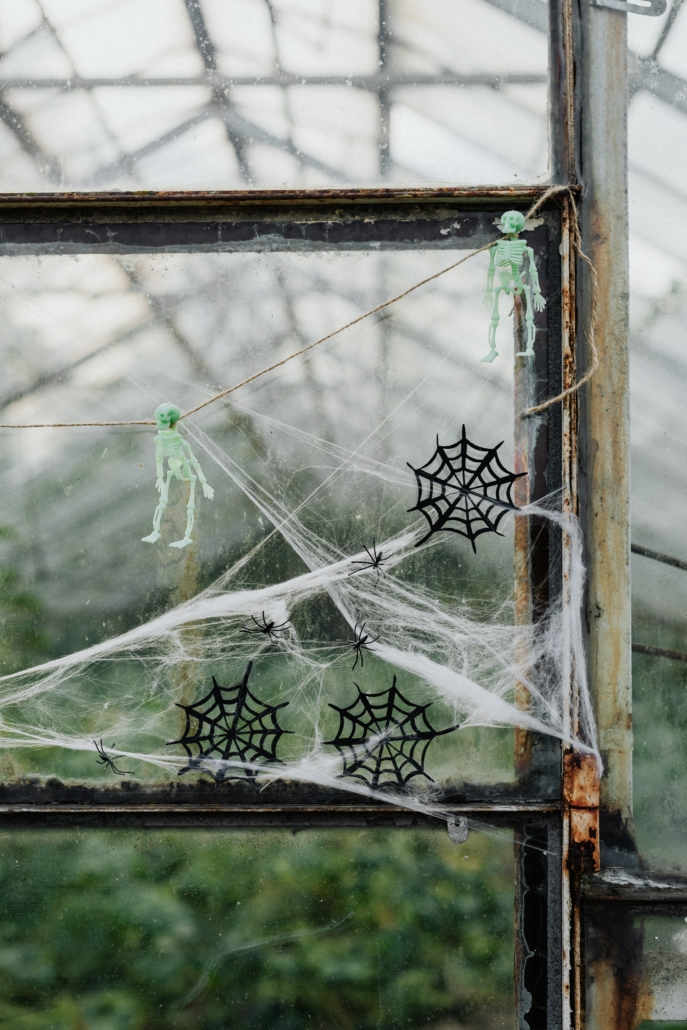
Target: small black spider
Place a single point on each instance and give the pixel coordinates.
(360, 642)
(376, 560)
(269, 629)
(109, 762)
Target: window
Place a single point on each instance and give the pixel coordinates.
(300, 200)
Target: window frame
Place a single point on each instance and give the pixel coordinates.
(593, 963)
(67, 224)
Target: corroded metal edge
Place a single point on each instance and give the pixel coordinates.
(151, 198)
(247, 817)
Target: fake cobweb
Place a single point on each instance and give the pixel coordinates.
(334, 560)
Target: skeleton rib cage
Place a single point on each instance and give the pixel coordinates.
(464, 489)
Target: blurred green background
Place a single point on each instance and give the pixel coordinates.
(121, 930)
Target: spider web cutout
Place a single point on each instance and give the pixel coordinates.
(464, 489)
(383, 738)
(232, 724)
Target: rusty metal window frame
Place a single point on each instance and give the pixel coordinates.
(609, 982)
(365, 219)
(534, 809)
(556, 839)
(579, 962)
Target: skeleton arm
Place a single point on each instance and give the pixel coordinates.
(489, 298)
(207, 489)
(537, 298)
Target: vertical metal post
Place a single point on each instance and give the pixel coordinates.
(604, 480)
(570, 507)
(562, 134)
(604, 408)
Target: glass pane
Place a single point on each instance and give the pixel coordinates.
(232, 94)
(662, 950)
(344, 929)
(658, 267)
(310, 467)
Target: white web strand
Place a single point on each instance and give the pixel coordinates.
(468, 663)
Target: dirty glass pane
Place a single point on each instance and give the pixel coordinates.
(661, 953)
(255, 931)
(236, 94)
(660, 734)
(658, 272)
(309, 465)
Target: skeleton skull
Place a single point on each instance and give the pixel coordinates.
(512, 222)
(167, 416)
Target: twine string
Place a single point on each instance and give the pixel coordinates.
(591, 341)
(577, 243)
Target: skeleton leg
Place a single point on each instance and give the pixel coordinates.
(493, 353)
(159, 511)
(529, 323)
(190, 512)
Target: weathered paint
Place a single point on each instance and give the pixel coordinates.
(611, 956)
(604, 428)
(581, 793)
(613, 949)
(194, 198)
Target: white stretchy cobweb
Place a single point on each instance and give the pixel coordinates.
(455, 657)
(465, 661)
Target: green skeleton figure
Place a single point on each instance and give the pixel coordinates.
(181, 462)
(507, 258)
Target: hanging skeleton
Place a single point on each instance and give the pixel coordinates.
(507, 258)
(181, 463)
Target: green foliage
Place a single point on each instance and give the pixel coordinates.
(356, 930)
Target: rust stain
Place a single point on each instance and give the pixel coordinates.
(580, 780)
(581, 789)
(583, 856)
(163, 198)
(615, 986)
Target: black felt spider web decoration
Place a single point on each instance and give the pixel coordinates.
(232, 725)
(464, 489)
(383, 738)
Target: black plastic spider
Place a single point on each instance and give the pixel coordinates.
(375, 561)
(360, 642)
(109, 762)
(269, 629)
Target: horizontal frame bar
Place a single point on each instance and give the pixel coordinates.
(659, 652)
(166, 198)
(666, 559)
(215, 80)
(39, 817)
(127, 226)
